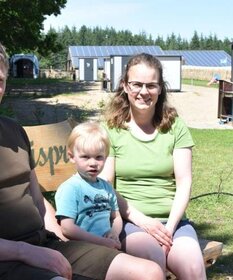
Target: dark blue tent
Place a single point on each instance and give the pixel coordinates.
(24, 66)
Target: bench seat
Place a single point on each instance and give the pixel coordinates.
(53, 167)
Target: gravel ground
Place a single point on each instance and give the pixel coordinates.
(197, 106)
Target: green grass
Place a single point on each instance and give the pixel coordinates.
(212, 197)
(38, 81)
(201, 83)
(49, 81)
(46, 81)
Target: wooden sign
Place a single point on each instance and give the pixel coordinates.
(48, 144)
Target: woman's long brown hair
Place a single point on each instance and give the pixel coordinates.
(117, 112)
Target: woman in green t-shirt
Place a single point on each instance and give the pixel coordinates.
(150, 166)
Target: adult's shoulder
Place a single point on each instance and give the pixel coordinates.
(13, 135)
(179, 124)
(182, 134)
(11, 126)
(4, 120)
(114, 132)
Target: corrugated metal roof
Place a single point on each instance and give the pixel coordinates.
(203, 58)
(206, 58)
(102, 52)
(106, 51)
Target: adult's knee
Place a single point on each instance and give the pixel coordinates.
(153, 254)
(197, 271)
(154, 272)
(192, 272)
(149, 270)
(143, 246)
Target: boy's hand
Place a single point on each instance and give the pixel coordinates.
(111, 234)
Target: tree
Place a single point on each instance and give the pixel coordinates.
(202, 42)
(83, 35)
(21, 24)
(160, 42)
(195, 42)
(65, 37)
(209, 42)
(226, 45)
(171, 42)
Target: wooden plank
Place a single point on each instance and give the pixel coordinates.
(211, 251)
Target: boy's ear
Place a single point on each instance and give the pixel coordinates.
(71, 156)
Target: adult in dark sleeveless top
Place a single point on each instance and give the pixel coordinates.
(31, 243)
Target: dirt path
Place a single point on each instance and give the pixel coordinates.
(196, 105)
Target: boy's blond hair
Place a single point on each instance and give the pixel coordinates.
(4, 60)
(90, 136)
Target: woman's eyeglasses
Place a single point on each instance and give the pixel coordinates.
(136, 87)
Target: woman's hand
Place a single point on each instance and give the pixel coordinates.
(155, 228)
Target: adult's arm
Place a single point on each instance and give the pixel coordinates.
(46, 210)
(116, 221)
(36, 256)
(40, 256)
(183, 176)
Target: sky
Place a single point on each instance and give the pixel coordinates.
(154, 17)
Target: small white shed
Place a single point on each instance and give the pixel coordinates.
(171, 70)
(88, 69)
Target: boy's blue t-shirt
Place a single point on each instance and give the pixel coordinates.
(88, 203)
